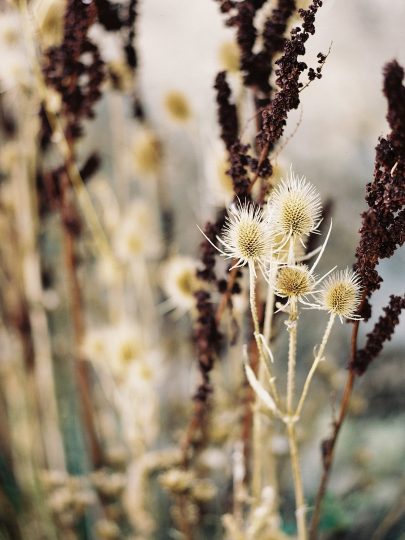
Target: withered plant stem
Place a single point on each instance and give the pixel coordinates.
(76, 310)
(329, 445)
(300, 507)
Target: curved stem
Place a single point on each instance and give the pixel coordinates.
(315, 364)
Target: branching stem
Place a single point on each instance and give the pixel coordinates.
(315, 364)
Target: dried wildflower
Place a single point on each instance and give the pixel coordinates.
(238, 171)
(294, 281)
(220, 182)
(180, 282)
(75, 68)
(383, 223)
(14, 68)
(60, 499)
(227, 113)
(137, 234)
(147, 153)
(10, 29)
(247, 236)
(203, 490)
(114, 347)
(125, 347)
(107, 529)
(109, 15)
(177, 106)
(382, 332)
(95, 345)
(288, 74)
(295, 208)
(109, 484)
(177, 480)
(49, 19)
(229, 56)
(340, 294)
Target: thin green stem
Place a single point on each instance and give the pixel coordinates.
(315, 364)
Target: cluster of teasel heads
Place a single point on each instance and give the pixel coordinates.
(272, 240)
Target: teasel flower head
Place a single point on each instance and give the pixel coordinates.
(177, 480)
(229, 56)
(49, 19)
(177, 106)
(247, 236)
(180, 283)
(294, 208)
(137, 234)
(294, 281)
(340, 294)
(126, 347)
(147, 153)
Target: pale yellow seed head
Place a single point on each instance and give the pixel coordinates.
(177, 480)
(295, 207)
(229, 56)
(147, 153)
(49, 18)
(341, 294)
(247, 235)
(177, 106)
(180, 281)
(294, 281)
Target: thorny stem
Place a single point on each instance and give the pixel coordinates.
(315, 364)
(292, 439)
(299, 492)
(268, 316)
(256, 328)
(262, 157)
(226, 295)
(292, 354)
(329, 444)
(270, 463)
(257, 423)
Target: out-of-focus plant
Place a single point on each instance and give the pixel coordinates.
(101, 312)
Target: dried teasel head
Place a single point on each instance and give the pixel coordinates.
(294, 207)
(340, 294)
(294, 281)
(229, 56)
(247, 236)
(177, 106)
(180, 282)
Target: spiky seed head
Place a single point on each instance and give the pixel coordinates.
(180, 282)
(294, 281)
(247, 235)
(295, 207)
(341, 294)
